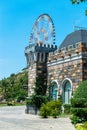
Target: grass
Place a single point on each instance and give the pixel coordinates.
(65, 115)
(3, 104)
(16, 104)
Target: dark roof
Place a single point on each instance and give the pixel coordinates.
(74, 37)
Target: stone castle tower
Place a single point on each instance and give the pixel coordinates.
(37, 55)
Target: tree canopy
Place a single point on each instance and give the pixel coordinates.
(81, 91)
(12, 88)
(78, 2)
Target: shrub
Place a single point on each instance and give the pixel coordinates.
(85, 104)
(55, 112)
(44, 111)
(52, 108)
(37, 100)
(80, 112)
(79, 103)
(67, 108)
(28, 101)
(75, 119)
(85, 125)
(10, 103)
(81, 90)
(81, 126)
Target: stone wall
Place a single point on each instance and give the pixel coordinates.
(61, 64)
(31, 78)
(70, 64)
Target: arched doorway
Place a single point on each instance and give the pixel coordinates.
(66, 91)
(53, 90)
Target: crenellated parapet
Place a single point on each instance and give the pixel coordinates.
(68, 62)
(68, 52)
(38, 52)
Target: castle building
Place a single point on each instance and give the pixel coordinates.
(62, 68)
(67, 66)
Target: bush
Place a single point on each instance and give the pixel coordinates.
(52, 108)
(81, 126)
(75, 119)
(79, 115)
(55, 108)
(10, 103)
(44, 111)
(37, 100)
(67, 108)
(78, 102)
(55, 112)
(85, 125)
(80, 112)
(81, 90)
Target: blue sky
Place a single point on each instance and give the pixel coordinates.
(16, 20)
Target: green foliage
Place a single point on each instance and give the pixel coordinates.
(37, 100)
(10, 103)
(12, 88)
(75, 119)
(44, 111)
(39, 95)
(77, 1)
(86, 12)
(81, 90)
(67, 108)
(52, 108)
(81, 126)
(79, 104)
(80, 112)
(40, 87)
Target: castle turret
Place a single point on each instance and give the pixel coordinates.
(36, 55)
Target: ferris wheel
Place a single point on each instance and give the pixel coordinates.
(43, 31)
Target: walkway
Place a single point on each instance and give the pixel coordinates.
(14, 118)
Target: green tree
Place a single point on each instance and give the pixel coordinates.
(5, 88)
(81, 91)
(79, 103)
(12, 88)
(78, 2)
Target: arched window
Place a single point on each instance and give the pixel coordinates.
(66, 91)
(53, 91)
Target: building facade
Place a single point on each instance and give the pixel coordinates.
(63, 67)
(67, 67)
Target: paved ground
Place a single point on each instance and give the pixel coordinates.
(14, 118)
